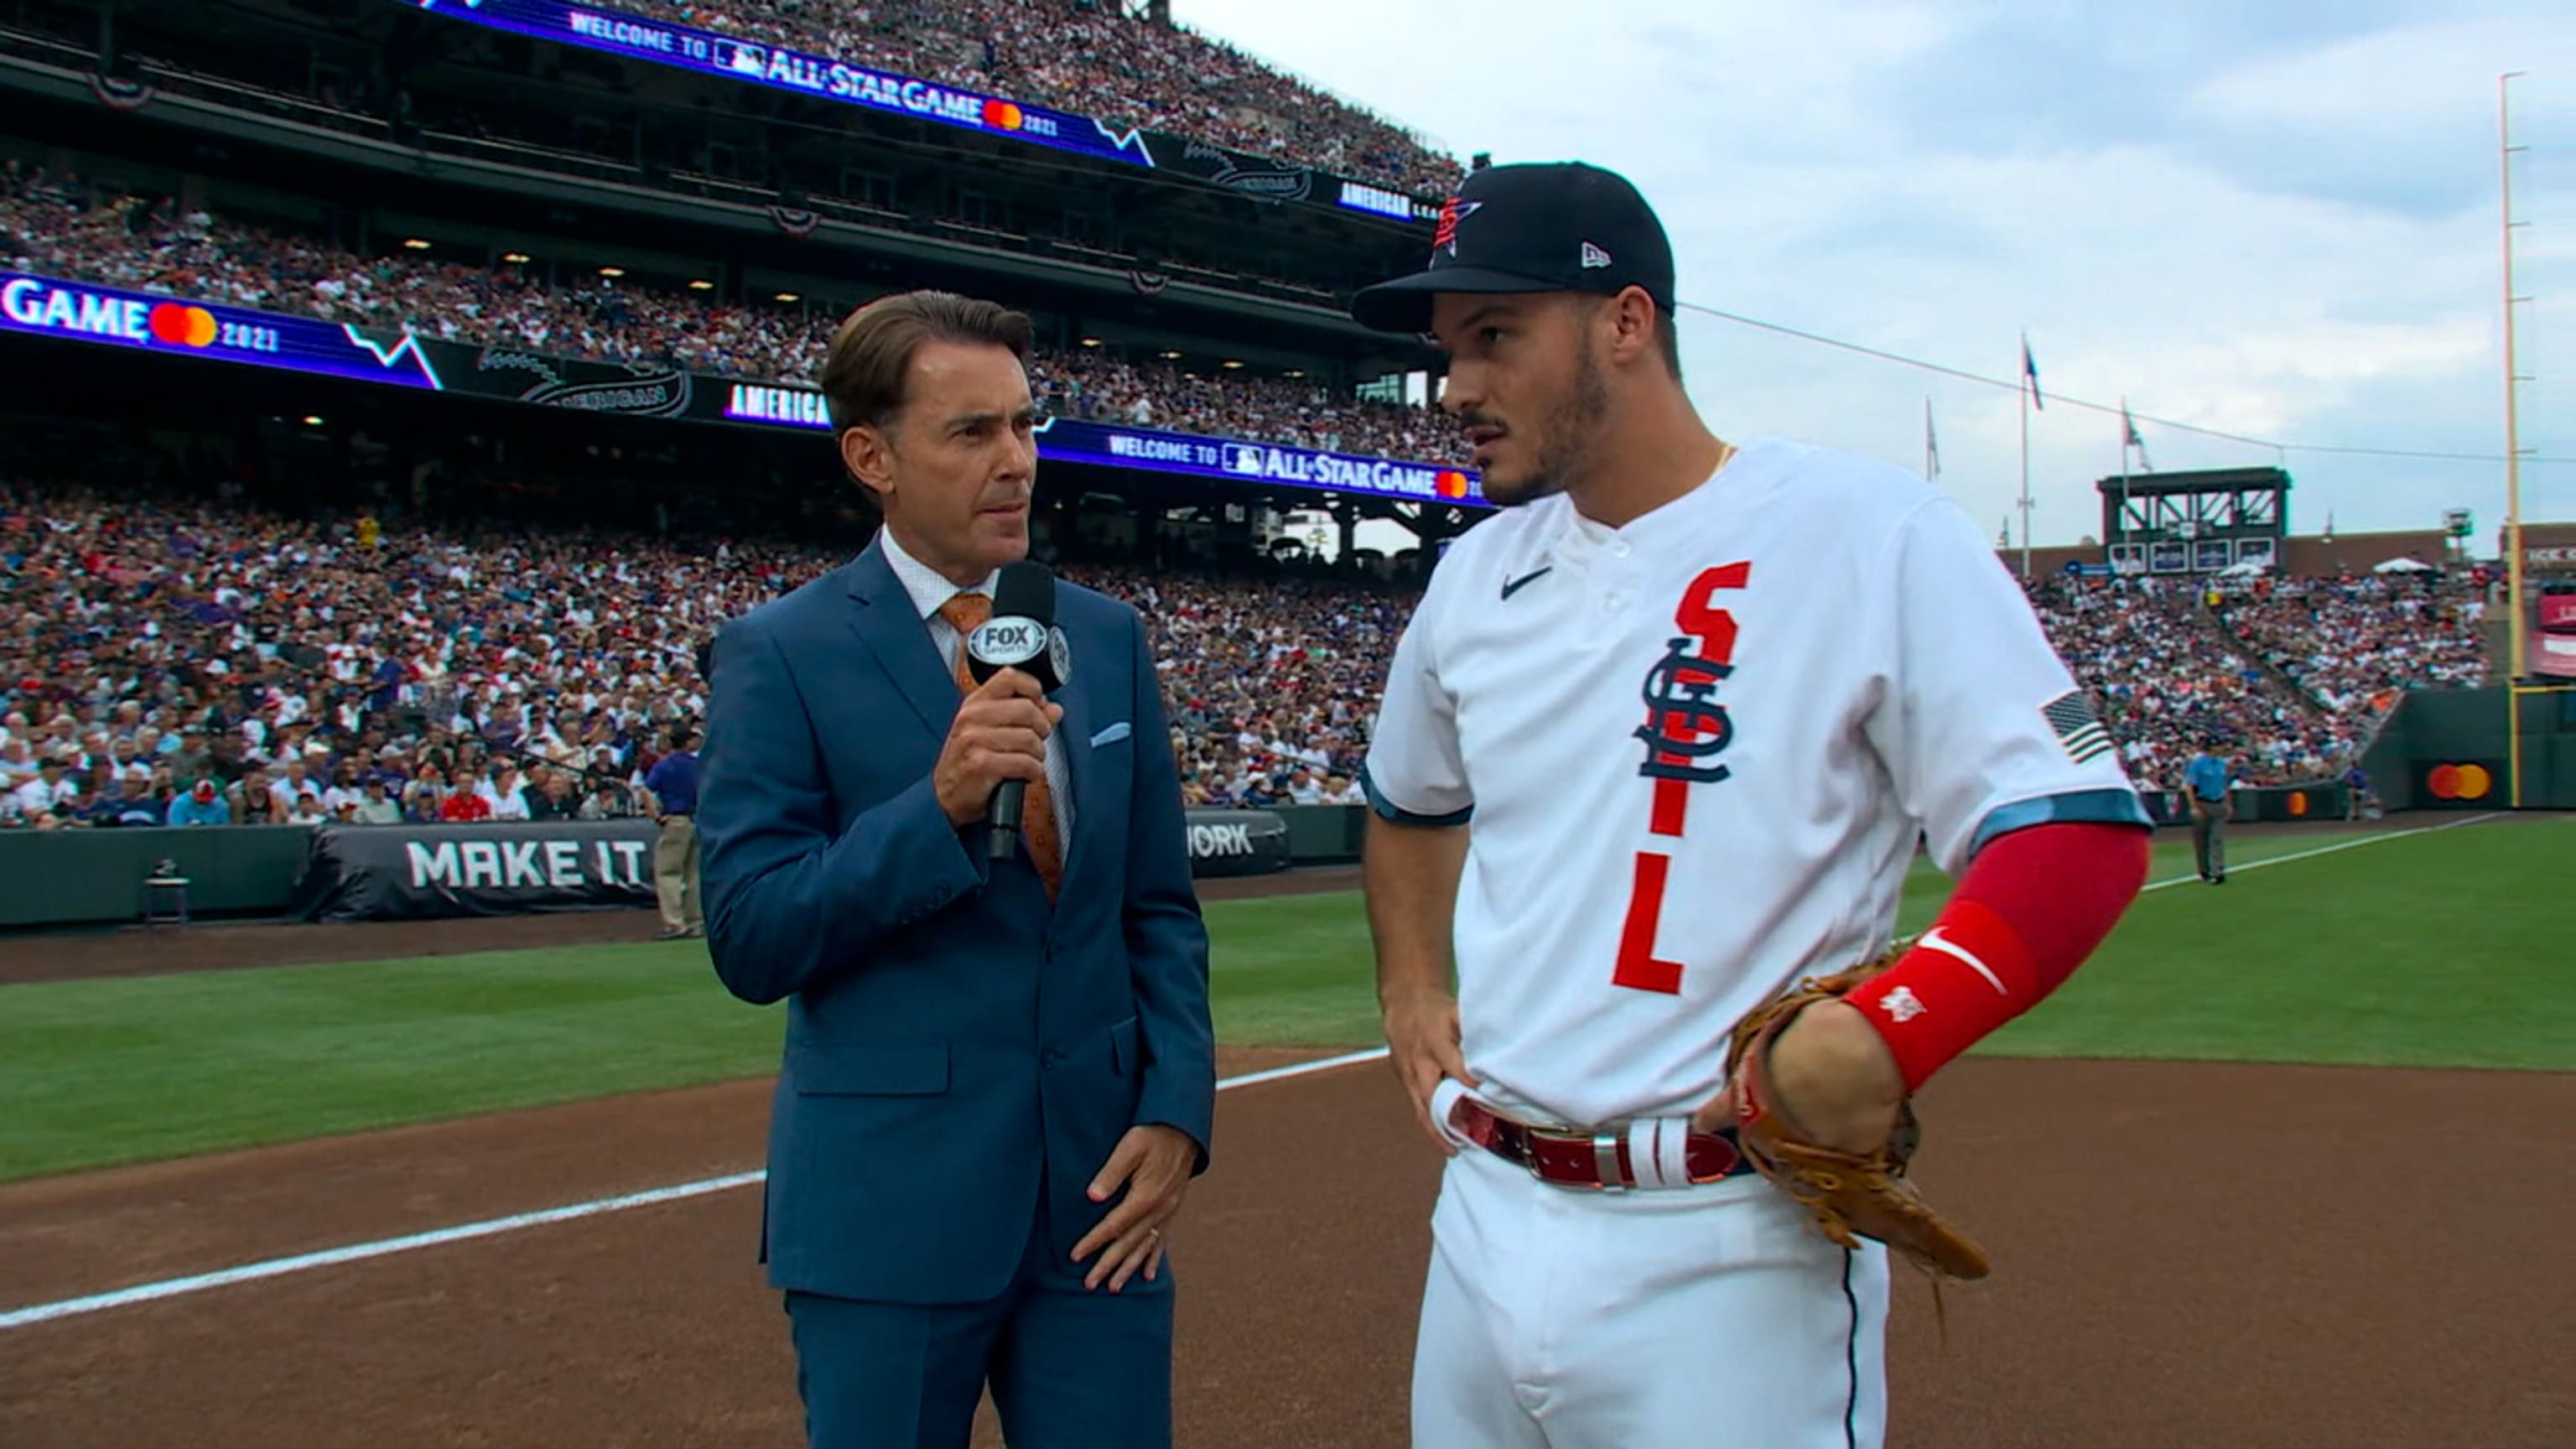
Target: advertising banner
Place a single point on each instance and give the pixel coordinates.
(2552, 654)
(1274, 180)
(2558, 613)
(801, 72)
(426, 872)
(1237, 842)
(430, 872)
(1145, 449)
(182, 327)
(635, 389)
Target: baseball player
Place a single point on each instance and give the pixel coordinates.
(1657, 745)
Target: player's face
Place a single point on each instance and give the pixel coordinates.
(956, 468)
(1525, 383)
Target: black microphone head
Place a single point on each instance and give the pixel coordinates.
(1021, 634)
(1026, 590)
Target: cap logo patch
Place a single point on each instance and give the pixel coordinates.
(1594, 257)
(1446, 238)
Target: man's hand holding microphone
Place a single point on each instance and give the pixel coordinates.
(1000, 735)
(997, 745)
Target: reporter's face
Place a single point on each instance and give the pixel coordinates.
(956, 467)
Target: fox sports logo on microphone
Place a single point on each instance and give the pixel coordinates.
(1012, 642)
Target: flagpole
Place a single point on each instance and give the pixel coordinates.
(2025, 460)
(2522, 613)
(1929, 466)
(2127, 428)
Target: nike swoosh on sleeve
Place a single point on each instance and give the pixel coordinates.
(1514, 586)
(1933, 940)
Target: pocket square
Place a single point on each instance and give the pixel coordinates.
(1112, 735)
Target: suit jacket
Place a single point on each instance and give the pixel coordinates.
(961, 1055)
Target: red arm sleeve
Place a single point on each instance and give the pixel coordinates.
(2032, 906)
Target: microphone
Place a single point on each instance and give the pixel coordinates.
(1021, 635)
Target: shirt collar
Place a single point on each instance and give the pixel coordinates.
(927, 586)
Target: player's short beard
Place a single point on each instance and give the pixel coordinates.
(1573, 426)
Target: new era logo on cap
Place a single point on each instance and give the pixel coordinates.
(1594, 257)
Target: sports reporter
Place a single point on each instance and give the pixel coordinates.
(999, 1072)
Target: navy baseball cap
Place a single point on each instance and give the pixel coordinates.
(1540, 227)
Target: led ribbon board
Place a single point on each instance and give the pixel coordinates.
(45, 307)
(800, 72)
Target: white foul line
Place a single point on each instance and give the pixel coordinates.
(2356, 843)
(357, 1252)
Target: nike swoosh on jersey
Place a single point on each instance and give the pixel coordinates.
(1514, 586)
(1933, 940)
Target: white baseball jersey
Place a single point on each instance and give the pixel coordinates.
(1695, 752)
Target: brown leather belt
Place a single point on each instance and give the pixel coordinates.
(1604, 1161)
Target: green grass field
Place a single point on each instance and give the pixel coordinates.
(2436, 949)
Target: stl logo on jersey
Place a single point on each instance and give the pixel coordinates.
(1686, 727)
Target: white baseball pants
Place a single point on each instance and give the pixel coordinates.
(1565, 1318)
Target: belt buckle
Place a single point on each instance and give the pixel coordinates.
(1605, 1157)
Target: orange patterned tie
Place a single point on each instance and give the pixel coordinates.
(1037, 813)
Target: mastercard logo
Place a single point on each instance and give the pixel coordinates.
(2460, 782)
(182, 326)
(1002, 116)
(2298, 804)
(1451, 483)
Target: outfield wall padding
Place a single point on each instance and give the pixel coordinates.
(58, 877)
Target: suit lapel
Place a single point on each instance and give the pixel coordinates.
(884, 620)
(1075, 728)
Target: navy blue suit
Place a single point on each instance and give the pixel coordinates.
(962, 1055)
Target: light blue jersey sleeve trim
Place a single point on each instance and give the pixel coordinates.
(1388, 810)
(2076, 807)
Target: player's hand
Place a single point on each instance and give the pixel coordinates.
(1000, 734)
(1833, 1076)
(1422, 1046)
(1154, 1165)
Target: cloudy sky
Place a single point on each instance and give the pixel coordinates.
(2277, 219)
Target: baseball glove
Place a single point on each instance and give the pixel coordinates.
(1847, 1195)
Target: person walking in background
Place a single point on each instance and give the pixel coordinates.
(2207, 779)
(673, 782)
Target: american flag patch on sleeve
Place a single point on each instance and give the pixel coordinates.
(2077, 727)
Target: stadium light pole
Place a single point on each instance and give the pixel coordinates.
(2521, 607)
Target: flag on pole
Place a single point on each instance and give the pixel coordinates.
(1931, 444)
(2030, 370)
(2129, 428)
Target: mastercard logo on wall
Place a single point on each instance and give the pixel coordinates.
(2459, 782)
(182, 326)
(1451, 483)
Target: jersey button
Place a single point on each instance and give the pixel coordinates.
(1613, 603)
(1619, 548)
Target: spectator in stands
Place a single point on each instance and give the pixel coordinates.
(204, 804)
(463, 804)
(373, 806)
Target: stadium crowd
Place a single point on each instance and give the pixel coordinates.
(1090, 61)
(192, 663)
(184, 660)
(2349, 642)
(54, 226)
(2168, 685)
